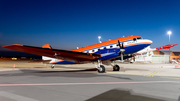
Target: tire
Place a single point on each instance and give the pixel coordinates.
(101, 69)
(52, 66)
(116, 68)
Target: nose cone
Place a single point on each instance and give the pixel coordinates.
(147, 41)
(150, 42)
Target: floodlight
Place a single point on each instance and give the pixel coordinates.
(169, 32)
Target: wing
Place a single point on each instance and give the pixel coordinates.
(55, 53)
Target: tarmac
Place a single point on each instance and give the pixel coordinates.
(134, 82)
(141, 69)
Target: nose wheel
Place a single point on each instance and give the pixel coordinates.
(116, 68)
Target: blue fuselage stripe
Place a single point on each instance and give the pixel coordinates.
(114, 51)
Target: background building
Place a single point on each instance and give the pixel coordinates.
(158, 57)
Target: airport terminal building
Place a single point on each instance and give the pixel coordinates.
(158, 57)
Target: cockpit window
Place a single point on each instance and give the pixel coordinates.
(139, 38)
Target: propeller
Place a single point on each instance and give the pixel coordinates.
(121, 46)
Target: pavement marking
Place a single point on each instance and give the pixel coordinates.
(170, 77)
(88, 83)
(151, 75)
(15, 96)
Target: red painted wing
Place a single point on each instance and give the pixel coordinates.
(54, 53)
(166, 46)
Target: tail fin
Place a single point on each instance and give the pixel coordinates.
(47, 46)
(44, 57)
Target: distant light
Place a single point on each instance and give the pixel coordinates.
(169, 32)
(99, 37)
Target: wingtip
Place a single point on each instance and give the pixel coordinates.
(175, 44)
(12, 45)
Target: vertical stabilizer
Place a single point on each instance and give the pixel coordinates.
(47, 46)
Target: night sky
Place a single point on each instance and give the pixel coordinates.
(67, 24)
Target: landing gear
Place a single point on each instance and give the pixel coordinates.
(101, 69)
(52, 66)
(116, 68)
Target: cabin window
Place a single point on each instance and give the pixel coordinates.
(111, 46)
(104, 47)
(92, 50)
(99, 49)
(117, 45)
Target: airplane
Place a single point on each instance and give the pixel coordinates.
(100, 54)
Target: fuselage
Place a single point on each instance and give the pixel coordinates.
(110, 49)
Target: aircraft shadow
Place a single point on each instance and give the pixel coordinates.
(125, 95)
(131, 69)
(54, 73)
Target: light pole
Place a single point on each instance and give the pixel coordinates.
(169, 32)
(99, 37)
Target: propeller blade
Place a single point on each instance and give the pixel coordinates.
(119, 44)
(121, 52)
(122, 47)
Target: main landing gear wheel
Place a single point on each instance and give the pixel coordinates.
(101, 69)
(116, 68)
(52, 66)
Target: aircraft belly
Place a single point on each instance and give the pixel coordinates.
(64, 62)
